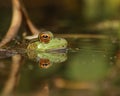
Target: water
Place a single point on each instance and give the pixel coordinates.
(90, 67)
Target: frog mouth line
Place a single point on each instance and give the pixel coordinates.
(63, 50)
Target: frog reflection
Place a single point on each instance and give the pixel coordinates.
(45, 60)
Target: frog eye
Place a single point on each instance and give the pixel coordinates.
(45, 37)
(44, 63)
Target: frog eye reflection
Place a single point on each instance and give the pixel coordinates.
(44, 37)
(44, 63)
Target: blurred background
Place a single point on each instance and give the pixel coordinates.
(70, 16)
(92, 67)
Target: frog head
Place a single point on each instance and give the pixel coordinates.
(47, 42)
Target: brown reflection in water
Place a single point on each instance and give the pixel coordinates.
(13, 78)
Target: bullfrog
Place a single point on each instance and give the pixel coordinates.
(45, 41)
(46, 49)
